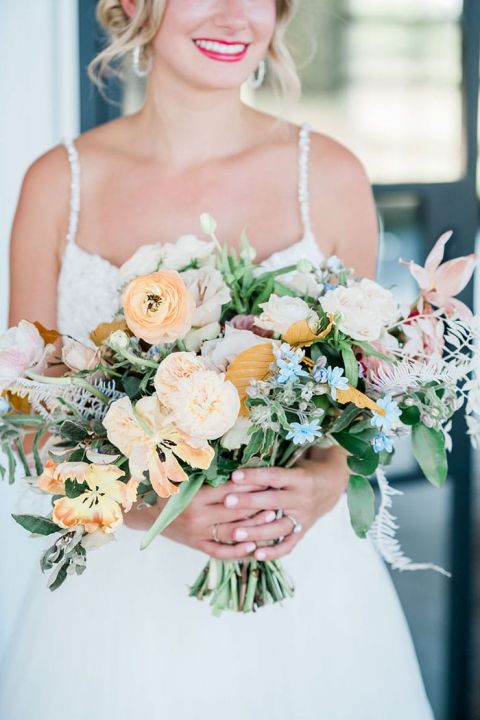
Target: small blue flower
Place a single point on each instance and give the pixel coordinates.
(392, 413)
(4, 406)
(331, 375)
(290, 371)
(329, 286)
(381, 442)
(286, 352)
(302, 433)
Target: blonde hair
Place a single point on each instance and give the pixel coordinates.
(127, 33)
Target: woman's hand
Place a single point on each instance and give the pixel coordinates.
(193, 527)
(306, 492)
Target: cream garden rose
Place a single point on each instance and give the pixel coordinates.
(365, 308)
(219, 353)
(281, 312)
(172, 369)
(205, 405)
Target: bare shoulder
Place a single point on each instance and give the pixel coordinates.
(342, 205)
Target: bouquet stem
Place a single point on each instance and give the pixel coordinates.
(242, 586)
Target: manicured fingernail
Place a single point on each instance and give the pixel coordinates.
(241, 534)
(231, 500)
(238, 475)
(260, 554)
(270, 516)
(250, 547)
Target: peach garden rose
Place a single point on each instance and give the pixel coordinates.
(158, 307)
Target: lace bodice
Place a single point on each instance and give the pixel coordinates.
(88, 284)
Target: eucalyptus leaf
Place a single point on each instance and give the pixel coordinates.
(37, 524)
(175, 505)
(353, 444)
(361, 504)
(429, 450)
(410, 415)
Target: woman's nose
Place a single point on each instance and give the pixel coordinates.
(231, 14)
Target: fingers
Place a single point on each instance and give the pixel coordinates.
(261, 500)
(220, 514)
(227, 552)
(273, 552)
(237, 532)
(275, 477)
(211, 495)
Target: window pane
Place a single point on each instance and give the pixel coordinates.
(385, 79)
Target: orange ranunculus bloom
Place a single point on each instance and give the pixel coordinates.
(100, 506)
(151, 441)
(158, 307)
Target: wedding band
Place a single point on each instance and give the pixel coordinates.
(214, 532)
(297, 527)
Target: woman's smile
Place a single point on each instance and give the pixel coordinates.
(221, 50)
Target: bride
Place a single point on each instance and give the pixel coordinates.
(125, 640)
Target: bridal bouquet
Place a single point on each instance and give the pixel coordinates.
(214, 363)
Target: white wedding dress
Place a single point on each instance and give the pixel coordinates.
(124, 641)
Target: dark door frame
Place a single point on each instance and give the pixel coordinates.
(443, 205)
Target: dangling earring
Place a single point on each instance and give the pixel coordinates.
(255, 82)
(140, 72)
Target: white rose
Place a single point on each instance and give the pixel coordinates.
(238, 435)
(145, 260)
(219, 353)
(195, 338)
(304, 283)
(209, 291)
(365, 308)
(186, 249)
(281, 312)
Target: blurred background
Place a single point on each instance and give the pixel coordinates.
(398, 83)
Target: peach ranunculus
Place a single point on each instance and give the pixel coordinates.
(99, 507)
(151, 441)
(158, 307)
(205, 405)
(172, 369)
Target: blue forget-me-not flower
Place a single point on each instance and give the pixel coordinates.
(302, 433)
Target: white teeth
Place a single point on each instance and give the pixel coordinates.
(220, 47)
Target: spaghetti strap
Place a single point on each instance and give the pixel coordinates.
(74, 188)
(304, 147)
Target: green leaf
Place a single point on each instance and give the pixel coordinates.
(385, 458)
(11, 462)
(346, 417)
(73, 431)
(175, 505)
(364, 466)
(429, 450)
(36, 454)
(361, 504)
(268, 439)
(353, 444)
(370, 350)
(131, 385)
(410, 415)
(73, 488)
(253, 446)
(37, 524)
(351, 365)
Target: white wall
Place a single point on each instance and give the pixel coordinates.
(40, 99)
(39, 105)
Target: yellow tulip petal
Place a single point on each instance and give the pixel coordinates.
(359, 399)
(104, 330)
(48, 336)
(251, 364)
(196, 457)
(88, 509)
(299, 334)
(158, 476)
(49, 481)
